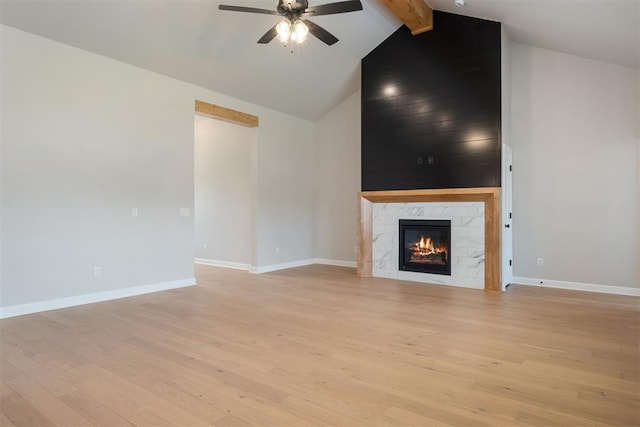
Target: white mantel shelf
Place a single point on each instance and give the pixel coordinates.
(489, 195)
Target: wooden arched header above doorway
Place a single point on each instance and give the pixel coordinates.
(226, 114)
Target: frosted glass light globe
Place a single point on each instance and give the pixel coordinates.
(284, 30)
(300, 31)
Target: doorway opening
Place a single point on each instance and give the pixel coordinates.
(225, 144)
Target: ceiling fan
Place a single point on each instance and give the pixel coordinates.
(293, 27)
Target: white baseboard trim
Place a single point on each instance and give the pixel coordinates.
(336, 262)
(588, 287)
(301, 263)
(274, 267)
(283, 266)
(36, 307)
(225, 264)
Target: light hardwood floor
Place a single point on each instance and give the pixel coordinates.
(319, 346)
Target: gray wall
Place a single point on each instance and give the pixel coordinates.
(85, 139)
(337, 157)
(285, 192)
(575, 154)
(223, 191)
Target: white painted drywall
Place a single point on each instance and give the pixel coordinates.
(337, 158)
(285, 171)
(223, 198)
(86, 138)
(575, 180)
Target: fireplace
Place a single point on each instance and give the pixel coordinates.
(475, 234)
(425, 246)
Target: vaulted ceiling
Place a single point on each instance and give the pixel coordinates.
(195, 42)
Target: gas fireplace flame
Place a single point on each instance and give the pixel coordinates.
(425, 251)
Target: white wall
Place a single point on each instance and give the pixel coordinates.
(285, 192)
(223, 191)
(86, 138)
(84, 141)
(337, 158)
(575, 154)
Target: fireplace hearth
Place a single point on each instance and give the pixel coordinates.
(425, 246)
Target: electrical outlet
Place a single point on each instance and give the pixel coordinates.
(540, 262)
(97, 271)
(277, 250)
(134, 212)
(205, 247)
(185, 211)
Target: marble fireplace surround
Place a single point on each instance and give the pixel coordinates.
(492, 220)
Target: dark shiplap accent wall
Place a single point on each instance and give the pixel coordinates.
(433, 99)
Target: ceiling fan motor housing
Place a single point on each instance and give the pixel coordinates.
(292, 7)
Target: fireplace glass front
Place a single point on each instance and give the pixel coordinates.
(425, 246)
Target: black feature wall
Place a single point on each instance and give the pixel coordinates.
(431, 107)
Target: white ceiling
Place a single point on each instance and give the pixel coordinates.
(193, 41)
(607, 30)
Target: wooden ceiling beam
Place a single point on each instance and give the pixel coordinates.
(417, 15)
(226, 114)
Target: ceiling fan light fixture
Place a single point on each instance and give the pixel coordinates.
(284, 30)
(292, 28)
(300, 31)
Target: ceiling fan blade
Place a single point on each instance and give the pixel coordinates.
(321, 33)
(269, 35)
(246, 9)
(333, 8)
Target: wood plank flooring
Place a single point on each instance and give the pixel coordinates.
(318, 346)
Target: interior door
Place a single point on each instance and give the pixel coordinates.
(507, 217)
